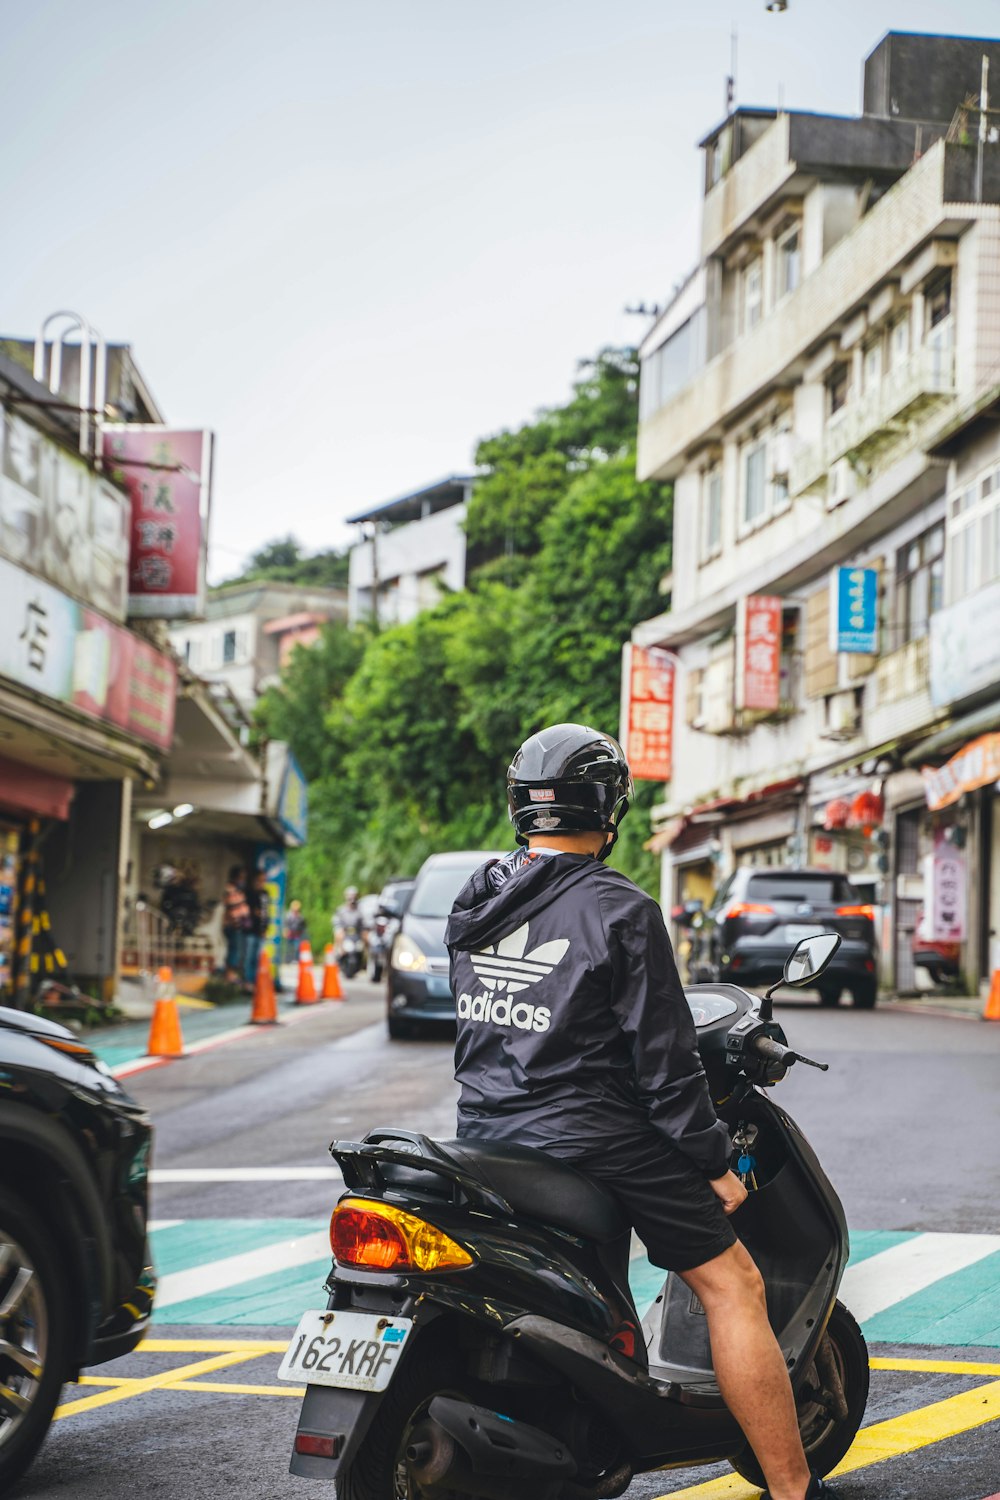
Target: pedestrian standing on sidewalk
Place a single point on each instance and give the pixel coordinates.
(294, 931)
(259, 902)
(235, 923)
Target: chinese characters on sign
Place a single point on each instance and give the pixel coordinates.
(647, 727)
(60, 648)
(758, 652)
(167, 476)
(854, 611)
(944, 893)
(60, 520)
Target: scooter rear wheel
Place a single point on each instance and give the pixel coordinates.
(379, 1470)
(825, 1436)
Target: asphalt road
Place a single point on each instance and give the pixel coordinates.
(906, 1123)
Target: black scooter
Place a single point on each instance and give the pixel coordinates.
(480, 1337)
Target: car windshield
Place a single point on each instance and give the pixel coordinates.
(436, 889)
(793, 885)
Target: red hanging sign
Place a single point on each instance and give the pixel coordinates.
(647, 721)
(758, 638)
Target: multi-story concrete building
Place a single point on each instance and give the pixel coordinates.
(412, 547)
(249, 630)
(822, 393)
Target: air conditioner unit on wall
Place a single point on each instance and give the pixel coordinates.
(843, 716)
(781, 455)
(842, 484)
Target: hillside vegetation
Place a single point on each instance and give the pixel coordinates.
(405, 733)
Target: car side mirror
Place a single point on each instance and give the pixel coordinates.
(810, 957)
(390, 909)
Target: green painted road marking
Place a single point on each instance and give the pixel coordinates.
(960, 1309)
(200, 1242)
(273, 1301)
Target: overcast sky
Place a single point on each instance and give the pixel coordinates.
(355, 237)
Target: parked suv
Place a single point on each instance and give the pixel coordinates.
(419, 990)
(760, 913)
(76, 1285)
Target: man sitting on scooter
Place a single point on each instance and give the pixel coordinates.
(574, 1037)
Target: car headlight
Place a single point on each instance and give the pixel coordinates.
(408, 955)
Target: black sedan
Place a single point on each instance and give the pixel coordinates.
(419, 991)
(760, 913)
(76, 1284)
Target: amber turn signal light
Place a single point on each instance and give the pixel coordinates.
(366, 1232)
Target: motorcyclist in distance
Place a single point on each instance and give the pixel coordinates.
(574, 1037)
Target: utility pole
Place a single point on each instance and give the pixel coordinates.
(984, 109)
(375, 574)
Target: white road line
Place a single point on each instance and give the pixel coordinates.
(154, 1224)
(201, 1281)
(910, 1267)
(162, 1175)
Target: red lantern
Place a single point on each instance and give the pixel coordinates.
(867, 811)
(837, 813)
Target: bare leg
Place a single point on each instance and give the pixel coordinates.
(750, 1368)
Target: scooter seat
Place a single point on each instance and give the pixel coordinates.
(541, 1187)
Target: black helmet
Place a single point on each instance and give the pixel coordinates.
(568, 779)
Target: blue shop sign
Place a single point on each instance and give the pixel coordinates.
(854, 611)
(293, 802)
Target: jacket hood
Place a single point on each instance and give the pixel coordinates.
(484, 909)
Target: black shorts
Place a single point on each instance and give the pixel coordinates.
(665, 1198)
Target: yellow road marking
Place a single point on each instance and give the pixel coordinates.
(237, 1390)
(935, 1366)
(212, 1346)
(152, 1383)
(195, 1003)
(881, 1441)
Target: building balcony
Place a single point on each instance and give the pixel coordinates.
(770, 357)
(864, 428)
(807, 470)
(904, 673)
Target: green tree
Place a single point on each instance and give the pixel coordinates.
(405, 734)
(296, 709)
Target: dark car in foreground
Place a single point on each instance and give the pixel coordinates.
(419, 991)
(76, 1284)
(759, 913)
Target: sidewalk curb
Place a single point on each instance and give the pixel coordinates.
(146, 1064)
(920, 1008)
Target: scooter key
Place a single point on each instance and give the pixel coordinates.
(746, 1164)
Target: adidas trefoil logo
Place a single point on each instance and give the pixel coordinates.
(506, 967)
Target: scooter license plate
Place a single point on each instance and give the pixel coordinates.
(353, 1350)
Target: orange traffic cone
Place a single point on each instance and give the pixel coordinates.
(992, 1011)
(165, 1038)
(332, 987)
(305, 994)
(264, 1011)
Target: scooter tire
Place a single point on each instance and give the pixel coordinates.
(826, 1442)
(373, 1473)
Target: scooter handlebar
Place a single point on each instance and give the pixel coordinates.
(772, 1051)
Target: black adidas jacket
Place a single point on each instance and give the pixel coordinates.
(572, 1023)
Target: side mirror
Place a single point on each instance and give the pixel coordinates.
(810, 957)
(390, 909)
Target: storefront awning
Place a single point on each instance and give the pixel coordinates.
(26, 789)
(976, 764)
(716, 811)
(980, 721)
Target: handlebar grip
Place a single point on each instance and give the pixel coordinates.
(764, 1046)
